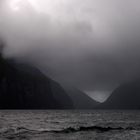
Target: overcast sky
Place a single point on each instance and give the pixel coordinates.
(90, 44)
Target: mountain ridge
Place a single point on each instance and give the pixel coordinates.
(22, 88)
(126, 96)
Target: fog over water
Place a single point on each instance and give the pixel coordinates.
(92, 45)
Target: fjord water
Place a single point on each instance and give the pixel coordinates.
(70, 125)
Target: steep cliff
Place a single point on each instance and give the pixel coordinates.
(25, 87)
(127, 96)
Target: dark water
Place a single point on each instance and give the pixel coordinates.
(70, 125)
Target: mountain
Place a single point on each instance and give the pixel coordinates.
(25, 87)
(127, 96)
(80, 99)
(61, 96)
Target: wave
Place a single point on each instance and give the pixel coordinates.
(19, 132)
(99, 129)
(93, 128)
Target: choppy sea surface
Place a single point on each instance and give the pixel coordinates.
(70, 125)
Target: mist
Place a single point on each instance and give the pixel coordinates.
(92, 45)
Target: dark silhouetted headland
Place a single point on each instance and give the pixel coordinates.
(80, 99)
(25, 87)
(127, 96)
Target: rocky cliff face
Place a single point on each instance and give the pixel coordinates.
(22, 87)
(126, 96)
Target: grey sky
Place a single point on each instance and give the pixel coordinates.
(92, 44)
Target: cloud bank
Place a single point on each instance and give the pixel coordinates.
(92, 44)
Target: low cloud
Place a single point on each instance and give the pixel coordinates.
(93, 45)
